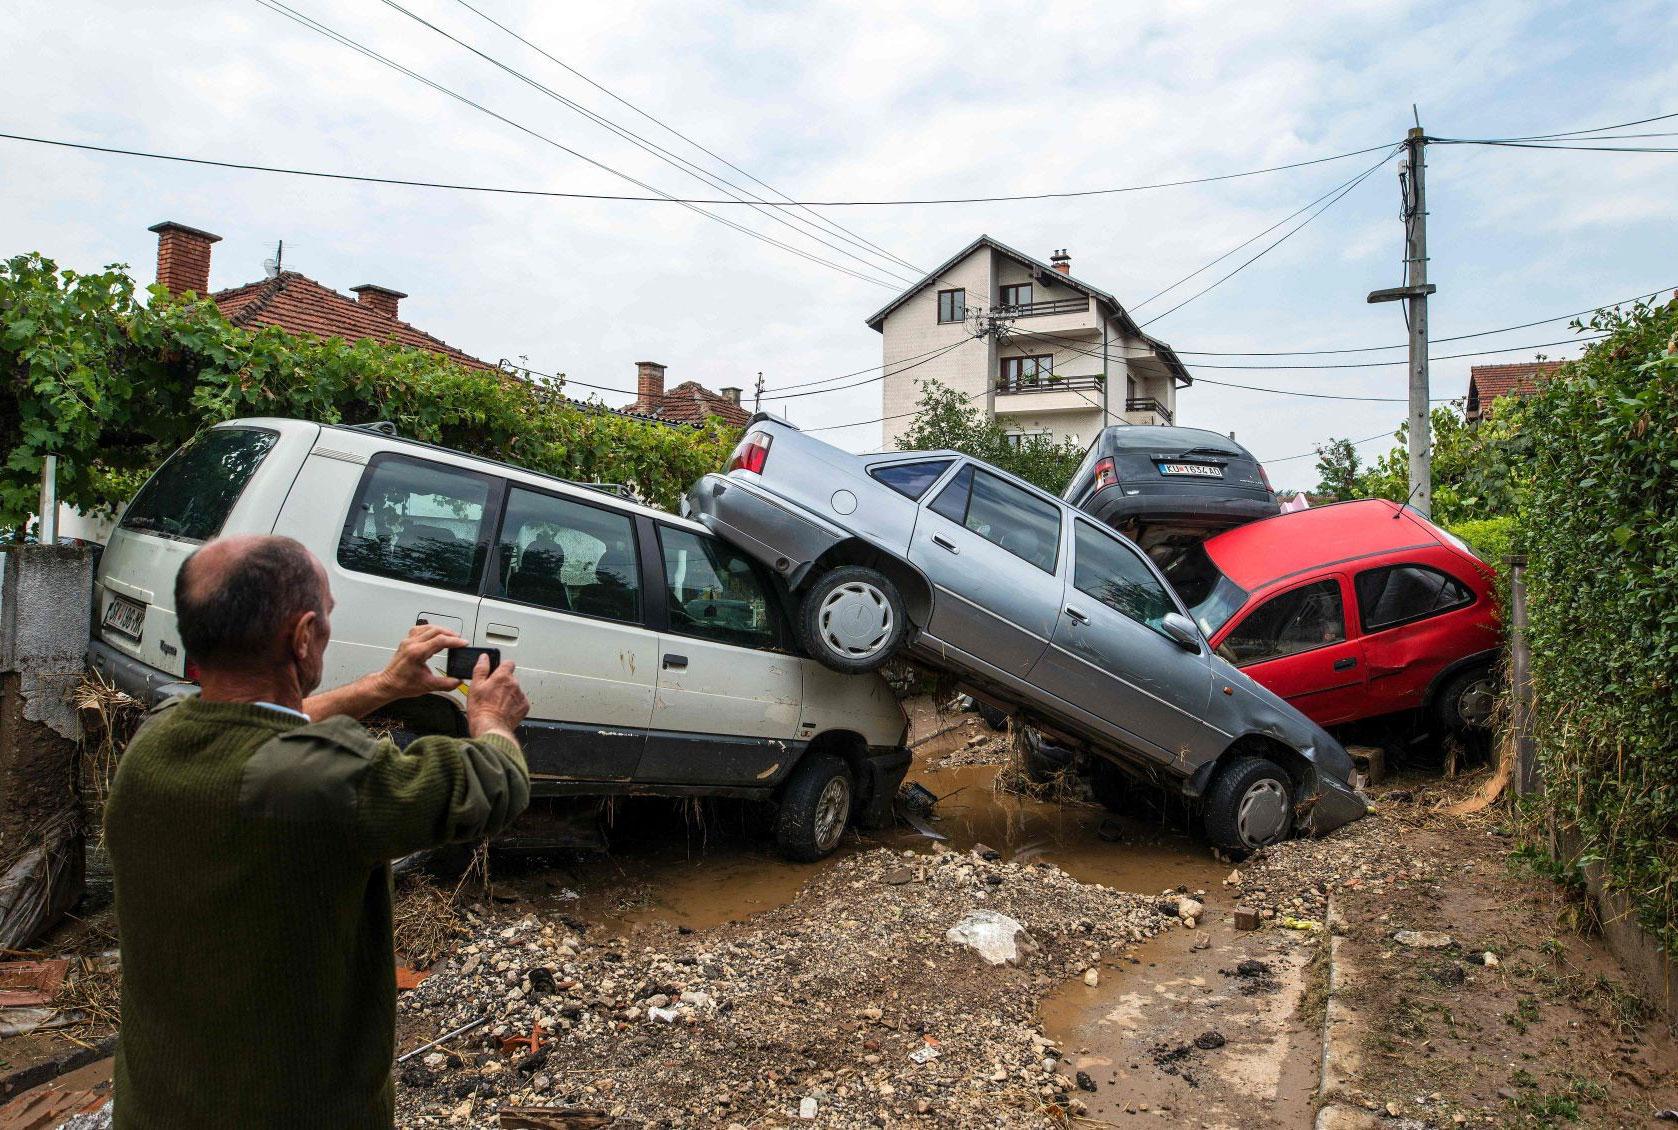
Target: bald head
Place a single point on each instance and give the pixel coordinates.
(238, 598)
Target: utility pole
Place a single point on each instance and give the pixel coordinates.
(757, 394)
(1414, 292)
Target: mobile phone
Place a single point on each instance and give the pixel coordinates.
(464, 660)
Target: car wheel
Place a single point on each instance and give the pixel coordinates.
(852, 619)
(1250, 805)
(1467, 701)
(1109, 785)
(815, 808)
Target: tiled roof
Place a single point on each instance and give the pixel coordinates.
(1488, 382)
(691, 403)
(298, 304)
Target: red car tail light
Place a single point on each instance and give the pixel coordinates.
(192, 675)
(751, 454)
(1105, 474)
(1265, 475)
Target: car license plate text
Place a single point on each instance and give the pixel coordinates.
(1205, 470)
(125, 616)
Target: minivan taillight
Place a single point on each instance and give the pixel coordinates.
(1265, 475)
(751, 454)
(1105, 474)
(192, 675)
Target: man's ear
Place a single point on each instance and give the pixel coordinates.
(303, 636)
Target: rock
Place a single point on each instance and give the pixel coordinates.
(1085, 1083)
(986, 852)
(870, 1013)
(807, 1107)
(1209, 1041)
(899, 876)
(988, 933)
(668, 1015)
(1092, 977)
(1246, 918)
(1202, 943)
(435, 1060)
(1393, 1110)
(1424, 939)
(1189, 908)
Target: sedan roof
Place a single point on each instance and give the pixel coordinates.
(1260, 552)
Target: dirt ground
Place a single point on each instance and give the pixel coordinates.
(690, 977)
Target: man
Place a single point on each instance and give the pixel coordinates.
(250, 830)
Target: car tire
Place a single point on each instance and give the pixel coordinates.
(815, 808)
(852, 619)
(1250, 805)
(1109, 785)
(1468, 701)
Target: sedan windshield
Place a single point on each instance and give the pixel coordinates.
(1212, 597)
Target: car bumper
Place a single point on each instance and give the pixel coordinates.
(1188, 507)
(883, 770)
(771, 531)
(139, 681)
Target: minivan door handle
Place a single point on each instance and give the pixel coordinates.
(501, 633)
(1077, 616)
(677, 662)
(944, 543)
(1345, 664)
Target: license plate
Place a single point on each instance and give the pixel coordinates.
(1204, 470)
(125, 616)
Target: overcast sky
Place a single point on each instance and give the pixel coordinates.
(869, 100)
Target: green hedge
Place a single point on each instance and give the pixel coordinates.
(112, 385)
(1600, 527)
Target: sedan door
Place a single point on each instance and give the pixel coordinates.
(1297, 644)
(991, 548)
(729, 694)
(1111, 659)
(566, 603)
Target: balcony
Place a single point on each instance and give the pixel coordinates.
(1038, 309)
(1047, 382)
(1148, 404)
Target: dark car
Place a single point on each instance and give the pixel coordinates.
(1170, 488)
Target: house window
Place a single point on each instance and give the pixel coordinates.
(952, 305)
(1026, 372)
(1019, 294)
(1023, 439)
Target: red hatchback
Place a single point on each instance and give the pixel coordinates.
(1351, 611)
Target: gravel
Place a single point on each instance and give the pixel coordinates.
(850, 997)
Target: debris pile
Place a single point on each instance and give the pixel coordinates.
(851, 1005)
(1290, 882)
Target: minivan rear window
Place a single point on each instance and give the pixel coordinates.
(192, 494)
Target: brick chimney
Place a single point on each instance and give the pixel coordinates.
(649, 385)
(183, 257)
(732, 395)
(1061, 262)
(380, 299)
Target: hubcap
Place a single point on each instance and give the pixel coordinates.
(1263, 812)
(1476, 703)
(855, 620)
(833, 808)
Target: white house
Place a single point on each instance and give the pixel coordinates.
(1041, 351)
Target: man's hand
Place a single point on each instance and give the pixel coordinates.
(496, 703)
(407, 675)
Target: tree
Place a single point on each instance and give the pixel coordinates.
(948, 419)
(1339, 470)
(1479, 470)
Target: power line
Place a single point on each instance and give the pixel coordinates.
(1556, 145)
(312, 24)
(1340, 195)
(1593, 129)
(1431, 357)
(647, 146)
(1401, 345)
(878, 377)
(1319, 450)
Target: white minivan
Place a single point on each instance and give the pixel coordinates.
(658, 659)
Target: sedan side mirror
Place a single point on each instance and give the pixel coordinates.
(1182, 631)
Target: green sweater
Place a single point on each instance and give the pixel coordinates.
(253, 895)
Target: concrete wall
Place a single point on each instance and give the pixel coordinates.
(913, 329)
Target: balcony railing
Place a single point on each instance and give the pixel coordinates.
(1047, 382)
(1036, 309)
(1148, 404)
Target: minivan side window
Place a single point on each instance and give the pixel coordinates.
(417, 521)
(192, 494)
(1403, 594)
(1299, 620)
(911, 480)
(566, 555)
(1004, 514)
(714, 593)
(1115, 575)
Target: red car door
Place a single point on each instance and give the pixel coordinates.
(1415, 618)
(1298, 643)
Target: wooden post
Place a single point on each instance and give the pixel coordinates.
(1520, 682)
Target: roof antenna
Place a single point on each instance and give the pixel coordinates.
(271, 267)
